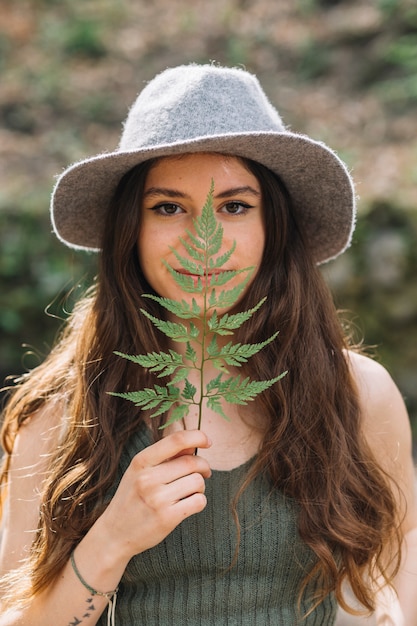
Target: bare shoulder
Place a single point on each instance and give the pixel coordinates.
(36, 440)
(382, 405)
(38, 437)
(386, 425)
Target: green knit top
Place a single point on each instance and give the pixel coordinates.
(189, 579)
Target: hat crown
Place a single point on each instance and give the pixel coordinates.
(207, 108)
(194, 101)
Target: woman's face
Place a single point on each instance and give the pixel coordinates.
(175, 192)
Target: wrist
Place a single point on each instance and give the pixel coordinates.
(98, 560)
(110, 596)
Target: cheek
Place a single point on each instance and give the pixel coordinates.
(255, 245)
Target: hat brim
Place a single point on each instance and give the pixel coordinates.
(318, 182)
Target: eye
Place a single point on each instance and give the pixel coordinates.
(167, 208)
(236, 208)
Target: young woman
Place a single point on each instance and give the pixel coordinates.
(305, 489)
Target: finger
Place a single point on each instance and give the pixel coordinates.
(190, 506)
(185, 487)
(183, 465)
(149, 478)
(173, 445)
(186, 451)
(165, 497)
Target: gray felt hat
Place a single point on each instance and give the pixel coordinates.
(207, 108)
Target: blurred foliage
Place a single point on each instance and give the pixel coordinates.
(343, 71)
(78, 37)
(375, 286)
(37, 275)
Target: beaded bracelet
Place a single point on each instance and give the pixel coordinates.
(111, 596)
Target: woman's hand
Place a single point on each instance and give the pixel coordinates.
(163, 485)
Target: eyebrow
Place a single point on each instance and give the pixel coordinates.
(236, 191)
(175, 193)
(164, 191)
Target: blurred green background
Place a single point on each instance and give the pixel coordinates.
(344, 72)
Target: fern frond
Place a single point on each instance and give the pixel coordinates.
(237, 391)
(227, 298)
(173, 330)
(155, 360)
(215, 405)
(150, 398)
(206, 224)
(178, 413)
(221, 278)
(198, 244)
(181, 309)
(187, 264)
(195, 249)
(202, 248)
(218, 262)
(189, 391)
(184, 281)
(181, 375)
(190, 354)
(215, 243)
(226, 324)
(237, 353)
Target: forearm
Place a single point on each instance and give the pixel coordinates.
(68, 602)
(163, 485)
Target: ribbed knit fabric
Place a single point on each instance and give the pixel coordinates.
(187, 580)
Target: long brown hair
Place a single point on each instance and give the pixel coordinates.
(313, 449)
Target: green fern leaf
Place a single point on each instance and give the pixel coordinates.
(156, 361)
(164, 407)
(181, 309)
(220, 366)
(139, 398)
(181, 374)
(199, 244)
(184, 281)
(193, 332)
(189, 391)
(178, 413)
(237, 391)
(135, 358)
(226, 324)
(213, 348)
(187, 264)
(149, 398)
(203, 258)
(173, 330)
(238, 353)
(215, 242)
(227, 298)
(206, 224)
(215, 405)
(221, 278)
(190, 354)
(195, 249)
(218, 262)
(213, 384)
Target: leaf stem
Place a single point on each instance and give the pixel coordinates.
(203, 341)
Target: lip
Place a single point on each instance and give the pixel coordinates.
(213, 273)
(205, 278)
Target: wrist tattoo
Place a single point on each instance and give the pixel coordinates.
(89, 610)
